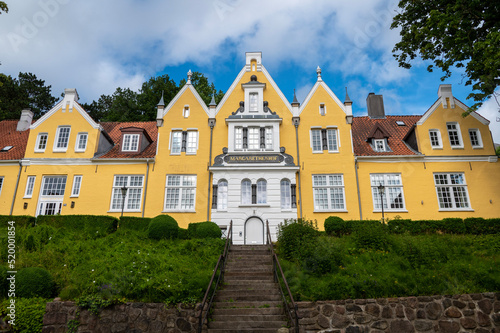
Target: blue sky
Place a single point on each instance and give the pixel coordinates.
(97, 46)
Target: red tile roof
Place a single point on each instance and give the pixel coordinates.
(114, 132)
(11, 137)
(363, 128)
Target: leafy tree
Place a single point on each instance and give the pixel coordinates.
(498, 151)
(460, 33)
(151, 92)
(3, 7)
(25, 92)
(205, 89)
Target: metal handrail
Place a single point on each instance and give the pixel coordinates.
(292, 311)
(221, 263)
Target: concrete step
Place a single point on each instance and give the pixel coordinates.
(250, 286)
(262, 275)
(239, 325)
(263, 293)
(242, 330)
(247, 317)
(264, 311)
(248, 305)
(239, 297)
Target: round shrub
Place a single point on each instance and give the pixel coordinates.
(163, 227)
(34, 282)
(208, 230)
(296, 239)
(335, 225)
(371, 235)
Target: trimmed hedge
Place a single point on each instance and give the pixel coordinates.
(163, 227)
(472, 225)
(134, 223)
(21, 220)
(206, 229)
(88, 224)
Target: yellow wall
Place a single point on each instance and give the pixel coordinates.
(9, 172)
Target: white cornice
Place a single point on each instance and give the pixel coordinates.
(328, 90)
(179, 94)
(87, 161)
(427, 159)
(268, 167)
(277, 89)
(458, 103)
(58, 106)
(230, 90)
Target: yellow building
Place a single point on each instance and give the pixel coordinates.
(254, 157)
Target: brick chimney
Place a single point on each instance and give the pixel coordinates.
(375, 105)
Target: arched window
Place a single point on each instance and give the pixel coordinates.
(286, 194)
(246, 192)
(261, 191)
(222, 195)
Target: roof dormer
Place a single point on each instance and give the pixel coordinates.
(134, 139)
(254, 96)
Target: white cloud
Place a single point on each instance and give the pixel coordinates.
(491, 111)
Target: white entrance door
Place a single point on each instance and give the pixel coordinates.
(254, 231)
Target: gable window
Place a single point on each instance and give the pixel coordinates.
(454, 135)
(192, 142)
(379, 145)
(30, 184)
(393, 198)
(435, 138)
(238, 138)
(328, 192)
(475, 138)
(185, 112)
(246, 192)
(254, 98)
(81, 142)
(322, 109)
(132, 200)
(184, 141)
(77, 183)
(451, 190)
(324, 140)
(180, 193)
(130, 142)
(176, 142)
(253, 138)
(268, 138)
(41, 142)
(62, 138)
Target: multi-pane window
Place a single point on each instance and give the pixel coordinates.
(269, 138)
(222, 195)
(77, 183)
(475, 138)
(238, 138)
(62, 138)
(184, 141)
(454, 135)
(130, 142)
(324, 139)
(41, 142)
(379, 145)
(253, 138)
(286, 194)
(81, 142)
(30, 184)
(435, 137)
(392, 196)
(180, 192)
(246, 192)
(261, 191)
(254, 102)
(328, 192)
(133, 194)
(54, 185)
(451, 190)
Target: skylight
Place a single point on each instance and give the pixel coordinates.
(7, 148)
(400, 123)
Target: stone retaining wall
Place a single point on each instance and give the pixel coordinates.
(478, 313)
(130, 317)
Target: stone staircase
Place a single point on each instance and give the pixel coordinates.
(249, 300)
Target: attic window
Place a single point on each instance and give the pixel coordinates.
(322, 110)
(186, 111)
(400, 123)
(7, 148)
(379, 145)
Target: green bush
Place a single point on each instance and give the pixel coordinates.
(4, 283)
(34, 282)
(29, 315)
(204, 230)
(90, 225)
(134, 223)
(183, 234)
(29, 243)
(454, 226)
(21, 220)
(371, 235)
(296, 239)
(325, 258)
(163, 227)
(335, 225)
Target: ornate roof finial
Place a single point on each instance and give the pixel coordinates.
(318, 71)
(212, 102)
(189, 76)
(161, 102)
(347, 99)
(295, 101)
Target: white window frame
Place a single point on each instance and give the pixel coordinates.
(322, 109)
(238, 138)
(1, 184)
(253, 102)
(222, 186)
(186, 111)
(479, 139)
(30, 186)
(458, 134)
(286, 194)
(329, 189)
(175, 142)
(317, 140)
(393, 188)
(38, 141)
(129, 146)
(375, 145)
(261, 192)
(191, 142)
(333, 147)
(56, 147)
(77, 184)
(79, 149)
(438, 138)
(253, 138)
(269, 138)
(131, 183)
(183, 191)
(314, 140)
(246, 192)
(445, 186)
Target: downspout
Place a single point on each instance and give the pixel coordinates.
(146, 188)
(17, 185)
(298, 162)
(357, 185)
(211, 123)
